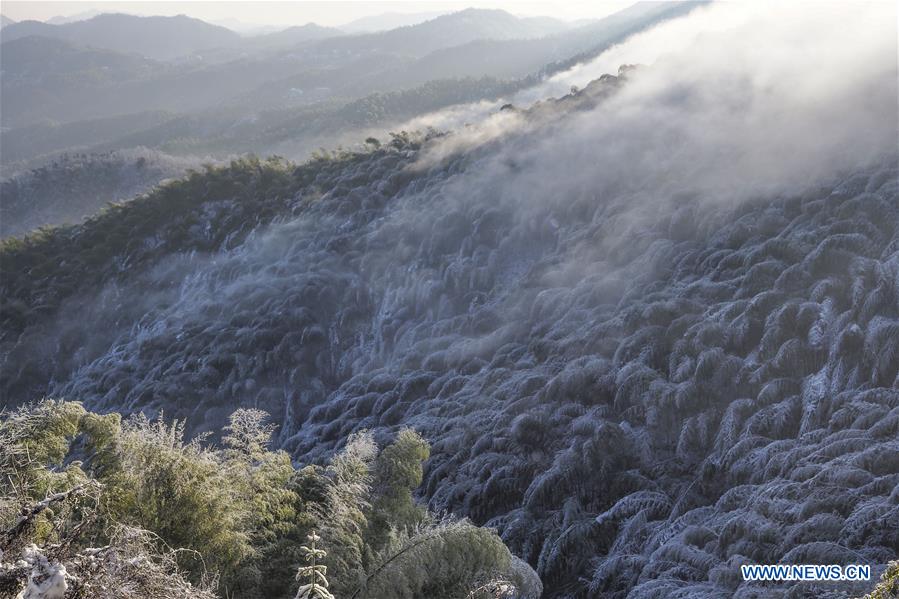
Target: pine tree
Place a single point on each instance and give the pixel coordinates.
(317, 587)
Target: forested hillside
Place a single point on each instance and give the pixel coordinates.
(646, 331)
(77, 186)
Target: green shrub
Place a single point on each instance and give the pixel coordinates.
(233, 516)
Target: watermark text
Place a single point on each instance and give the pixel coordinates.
(801, 572)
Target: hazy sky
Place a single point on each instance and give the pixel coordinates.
(324, 12)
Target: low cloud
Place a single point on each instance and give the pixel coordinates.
(735, 100)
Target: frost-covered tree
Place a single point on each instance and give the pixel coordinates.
(343, 507)
(247, 433)
(444, 559)
(276, 521)
(313, 576)
(151, 514)
(57, 537)
(182, 491)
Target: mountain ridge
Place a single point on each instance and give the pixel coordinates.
(182, 35)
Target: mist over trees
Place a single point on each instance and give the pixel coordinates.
(612, 343)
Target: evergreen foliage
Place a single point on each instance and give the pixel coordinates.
(81, 492)
(397, 473)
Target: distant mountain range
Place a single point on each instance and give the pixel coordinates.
(160, 38)
(448, 30)
(387, 20)
(306, 58)
(5, 21)
(297, 34)
(168, 38)
(257, 93)
(81, 16)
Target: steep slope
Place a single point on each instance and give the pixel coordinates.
(160, 38)
(651, 329)
(648, 397)
(5, 21)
